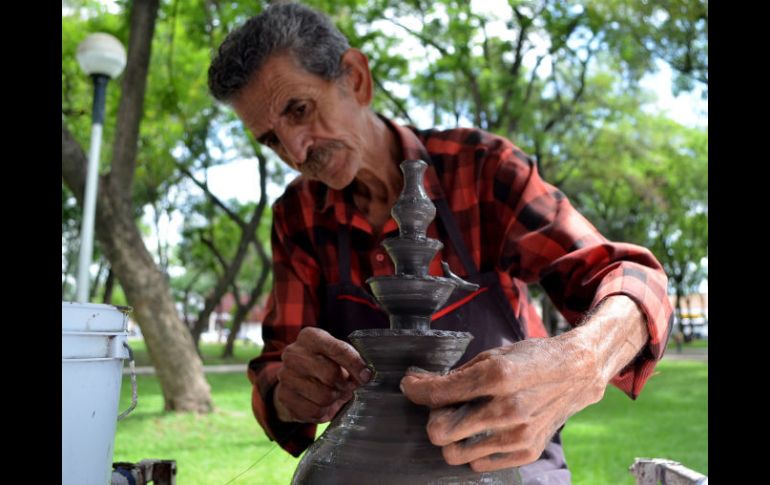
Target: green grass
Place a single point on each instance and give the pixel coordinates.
(212, 353)
(209, 449)
(669, 420)
(693, 344)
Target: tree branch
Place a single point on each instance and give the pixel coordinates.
(424, 39)
(133, 87)
(204, 186)
(212, 247)
(397, 102)
(73, 164)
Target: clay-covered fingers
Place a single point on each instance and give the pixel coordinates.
(342, 353)
(314, 390)
(492, 450)
(304, 410)
(300, 362)
(487, 377)
(453, 424)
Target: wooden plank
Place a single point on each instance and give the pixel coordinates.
(655, 471)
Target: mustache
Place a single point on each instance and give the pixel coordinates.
(318, 157)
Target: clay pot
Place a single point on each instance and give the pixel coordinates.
(380, 437)
(412, 256)
(413, 210)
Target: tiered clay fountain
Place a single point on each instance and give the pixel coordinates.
(380, 436)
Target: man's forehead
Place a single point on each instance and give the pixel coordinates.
(263, 95)
(277, 81)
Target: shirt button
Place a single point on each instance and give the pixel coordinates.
(380, 257)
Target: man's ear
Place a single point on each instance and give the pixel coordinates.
(357, 76)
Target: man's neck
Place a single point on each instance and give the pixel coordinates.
(378, 184)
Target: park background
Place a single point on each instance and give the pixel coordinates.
(610, 98)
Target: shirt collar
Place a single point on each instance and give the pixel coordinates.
(411, 148)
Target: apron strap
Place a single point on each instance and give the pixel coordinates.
(343, 252)
(448, 220)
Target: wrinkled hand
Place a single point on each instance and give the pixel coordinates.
(317, 378)
(501, 409)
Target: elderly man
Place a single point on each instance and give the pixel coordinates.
(298, 86)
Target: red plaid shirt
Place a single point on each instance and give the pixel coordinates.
(512, 223)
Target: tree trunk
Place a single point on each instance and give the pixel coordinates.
(550, 315)
(97, 280)
(678, 311)
(240, 315)
(172, 351)
(178, 366)
(231, 269)
(108, 285)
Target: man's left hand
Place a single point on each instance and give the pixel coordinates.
(501, 409)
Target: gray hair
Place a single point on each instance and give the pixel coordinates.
(308, 35)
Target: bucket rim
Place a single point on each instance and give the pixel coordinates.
(94, 333)
(97, 306)
(75, 360)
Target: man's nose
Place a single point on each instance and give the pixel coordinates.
(295, 144)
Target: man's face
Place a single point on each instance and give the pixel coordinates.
(314, 125)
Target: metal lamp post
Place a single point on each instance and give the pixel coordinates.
(103, 57)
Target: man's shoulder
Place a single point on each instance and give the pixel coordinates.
(454, 140)
(471, 145)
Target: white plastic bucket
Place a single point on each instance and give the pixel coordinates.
(92, 354)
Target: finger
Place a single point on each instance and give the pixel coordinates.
(300, 408)
(311, 389)
(342, 353)
(492, 450)
(501, 447)
(498, 461)
(299, 361)
(451, 424)
(485, 378)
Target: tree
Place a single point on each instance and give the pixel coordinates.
(179, 368)
(558, 78)
(219, 246)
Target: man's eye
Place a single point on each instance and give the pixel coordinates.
(269, 140)
(300, 110)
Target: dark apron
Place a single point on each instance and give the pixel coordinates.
(485, 313)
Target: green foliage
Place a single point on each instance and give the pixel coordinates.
(558, 78)
(77, 88)
(675, 31)
(202, 264)
(180, 120)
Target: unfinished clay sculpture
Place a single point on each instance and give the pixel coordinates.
(380, 436)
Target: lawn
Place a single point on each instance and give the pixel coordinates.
(693, 344)
(228, 447)
(668, 420)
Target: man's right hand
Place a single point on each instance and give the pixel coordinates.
(317, 378)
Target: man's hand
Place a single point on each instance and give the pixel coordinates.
(501, 409)
(317, 378)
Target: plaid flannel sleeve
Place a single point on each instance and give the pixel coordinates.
(292, 305)
(547, 240)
